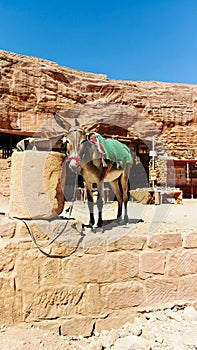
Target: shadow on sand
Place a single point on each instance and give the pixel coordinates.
(111, 224)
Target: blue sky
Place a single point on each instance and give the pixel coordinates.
(126, 40)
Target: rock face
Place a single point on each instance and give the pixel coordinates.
(32, 88)
(37, 185)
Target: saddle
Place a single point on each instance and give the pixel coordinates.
(111, 150)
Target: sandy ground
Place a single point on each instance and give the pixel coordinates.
(167, 329)
(147, 219)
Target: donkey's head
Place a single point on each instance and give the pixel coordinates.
(73, 143)
(76, 145)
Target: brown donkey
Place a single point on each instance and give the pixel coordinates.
(98, 160)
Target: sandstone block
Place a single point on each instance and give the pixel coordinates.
(77, 326)
(115, 319)
(50, 272)
(102, 268)
(190, 241)
(7, 286)
(187, 289)
(10, 302)
(7, 227)
(129, 242)
(92, 299)
(8, 256)
(152, 263)
(94, 246)
(27, 266)
(164, 241)
(182, 263)
(52, 302)
(160, 290)
(127, 266)
(10, 308)
(86, 268)
(21, 231)
(5, 170)
(37, 184)
(122, 295)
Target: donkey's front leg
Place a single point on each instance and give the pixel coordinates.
(90, 206)
(100, 188)
(124, 182)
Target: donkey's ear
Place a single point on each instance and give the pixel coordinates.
(61, 121)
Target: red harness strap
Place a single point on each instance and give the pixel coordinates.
(76, 158)
(108, 170)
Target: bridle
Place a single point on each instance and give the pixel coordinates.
(75, 155)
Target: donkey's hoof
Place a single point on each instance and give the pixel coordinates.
(93, 229)
(119, 220)
(126, 220)
(100, 223)
(91, 224)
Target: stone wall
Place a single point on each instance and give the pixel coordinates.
(78, 288)
(164, 171)
(5, 173)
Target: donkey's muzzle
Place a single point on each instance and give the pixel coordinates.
(74, 164)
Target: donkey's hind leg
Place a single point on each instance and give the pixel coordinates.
(116, 189)
(124, 183)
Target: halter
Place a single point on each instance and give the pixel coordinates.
(75, 155)
(76, 158)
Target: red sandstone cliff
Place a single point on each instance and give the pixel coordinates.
(31, 89)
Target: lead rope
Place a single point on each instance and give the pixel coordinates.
(40, 247)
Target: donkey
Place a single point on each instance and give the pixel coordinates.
(87, 157)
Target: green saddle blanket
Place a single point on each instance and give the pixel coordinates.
(115, 151)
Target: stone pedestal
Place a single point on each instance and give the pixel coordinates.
(37, 184)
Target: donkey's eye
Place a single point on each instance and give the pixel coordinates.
(82, 141)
